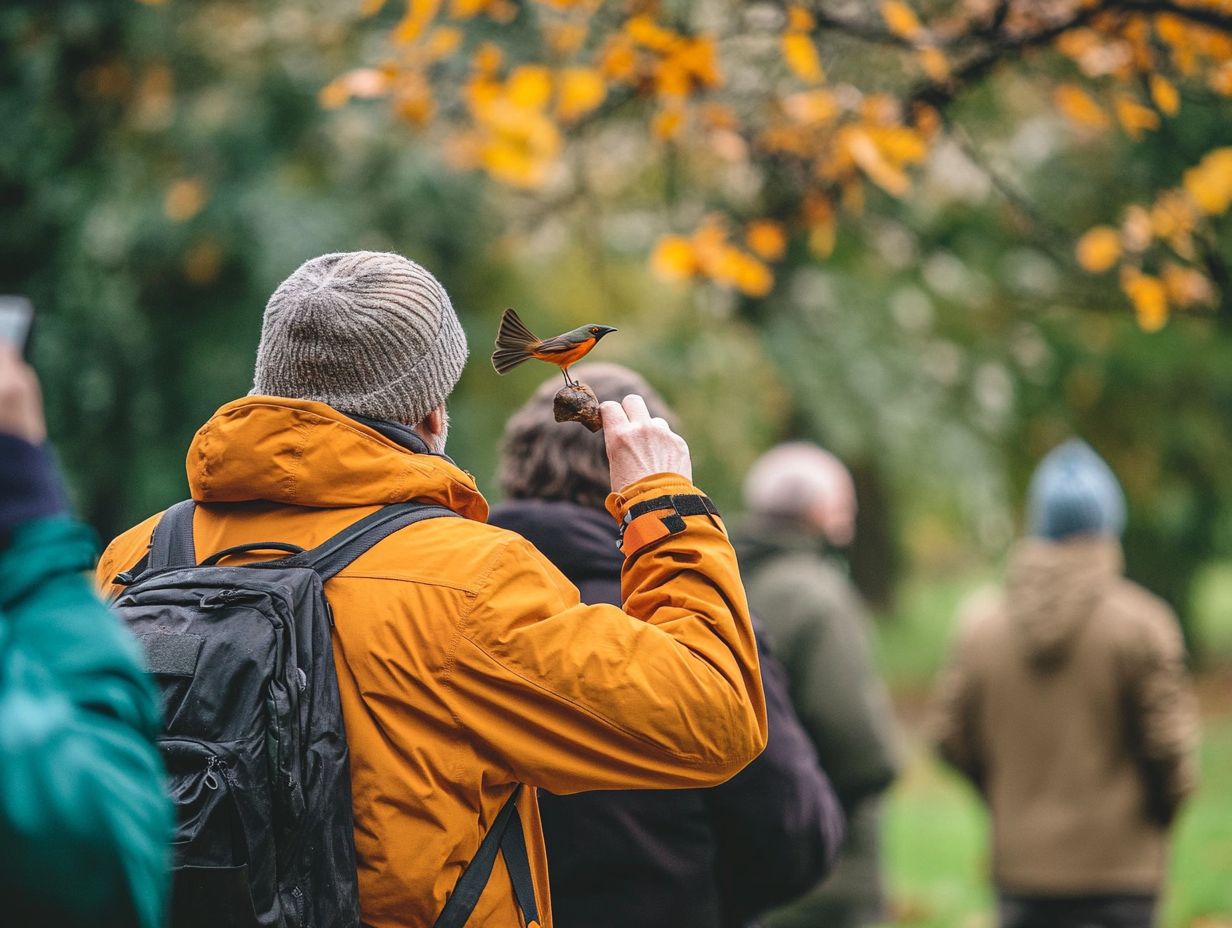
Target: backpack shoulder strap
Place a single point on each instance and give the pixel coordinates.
(332, 556)
(172, 542)
(505, 836)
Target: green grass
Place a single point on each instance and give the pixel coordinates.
(935, 834)
(935, 828)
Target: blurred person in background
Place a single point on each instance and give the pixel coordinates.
(680, 858)
(1067, 705)
(84, 823)
(801, 508)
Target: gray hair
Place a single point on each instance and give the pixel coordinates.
(792, 479)
(545, 459)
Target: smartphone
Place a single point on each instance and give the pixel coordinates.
(16, 314)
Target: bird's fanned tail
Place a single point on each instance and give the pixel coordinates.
(513, 343)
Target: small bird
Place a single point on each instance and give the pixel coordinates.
(516, 343)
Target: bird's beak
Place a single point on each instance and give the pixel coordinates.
(605, 330)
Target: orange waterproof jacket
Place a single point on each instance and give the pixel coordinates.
(465, 661)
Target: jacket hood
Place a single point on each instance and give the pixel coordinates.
(581, 541)
(303, 453)
(1052, 589)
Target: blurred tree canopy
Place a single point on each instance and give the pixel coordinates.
(878, 220)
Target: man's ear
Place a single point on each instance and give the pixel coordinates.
(432, 426)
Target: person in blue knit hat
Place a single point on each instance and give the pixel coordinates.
(1066, 703)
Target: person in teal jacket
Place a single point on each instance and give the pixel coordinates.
(84, 820)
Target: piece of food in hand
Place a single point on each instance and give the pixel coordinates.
(577, 403)
(516, 343)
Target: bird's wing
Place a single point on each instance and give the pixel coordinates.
(560, 344)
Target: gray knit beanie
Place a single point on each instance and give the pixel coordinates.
(365, 332)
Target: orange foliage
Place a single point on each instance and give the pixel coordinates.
(647, 67)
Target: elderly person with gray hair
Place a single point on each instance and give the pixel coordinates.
(707, 858)
(801, 506)
(1067, 705)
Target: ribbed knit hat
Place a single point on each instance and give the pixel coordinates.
(1073, 492)
(365, 332)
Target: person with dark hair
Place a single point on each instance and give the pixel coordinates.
(800, 507)
(1066, 703)
(680, 858)
(84, 822)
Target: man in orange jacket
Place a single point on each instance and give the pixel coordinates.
(466, 663)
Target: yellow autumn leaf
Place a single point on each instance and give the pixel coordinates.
(1165, 95)
(865, 153)
(1134, 117)
(766, 239)
(934, 63)
(184, 199)
(1080, 107)
(699, 57)
(466, 9)
(1209, 183)
(334, 94)
(529, 87)
(618, 61)
(811, 107)
(419, 14)
(801, 56)
(673, 258)
(580, 91)
(667, 123)
(898, 144)
(646, 32)
(443, 42)
(488, 58)
(800, 20)
(900, 18)
(751, 277)
(1149, 298)
(566, 38)
(1098, 250)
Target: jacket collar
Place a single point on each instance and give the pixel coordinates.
(304, 453)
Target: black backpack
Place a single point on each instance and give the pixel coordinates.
(253, 738)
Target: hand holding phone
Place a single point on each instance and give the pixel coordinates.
(21, 402)
(16, 313)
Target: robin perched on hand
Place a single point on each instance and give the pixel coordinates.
(516, 343)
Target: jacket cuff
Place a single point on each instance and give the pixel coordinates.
(30, 487)
(656, 507)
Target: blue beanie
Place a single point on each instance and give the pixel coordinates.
(1073, 492)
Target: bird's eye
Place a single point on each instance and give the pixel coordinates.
(594, 330)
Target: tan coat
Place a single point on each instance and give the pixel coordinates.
(1067, 704)
(466, 663)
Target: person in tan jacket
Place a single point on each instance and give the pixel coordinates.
(1066, 703)
(466, 663)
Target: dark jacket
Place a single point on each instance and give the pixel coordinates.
(84, 824)
(818, 628)
(679, 858)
